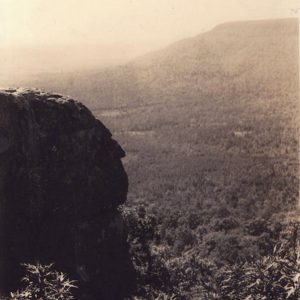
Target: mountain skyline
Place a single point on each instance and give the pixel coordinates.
(38, 37)
(87, 58)
(233, 58)
(36, 23)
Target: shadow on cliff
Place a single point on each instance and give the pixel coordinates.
(61, 181)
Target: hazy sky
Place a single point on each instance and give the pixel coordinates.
(130, 25)
(40, 22)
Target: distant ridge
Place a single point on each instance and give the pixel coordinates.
(255, 27)
(271, 23)
(232, 60)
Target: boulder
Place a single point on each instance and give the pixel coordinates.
(61, 181)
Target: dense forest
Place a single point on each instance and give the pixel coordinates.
(210, 127)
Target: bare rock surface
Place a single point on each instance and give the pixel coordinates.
(61, 181)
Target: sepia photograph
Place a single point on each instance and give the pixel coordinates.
(149, 150)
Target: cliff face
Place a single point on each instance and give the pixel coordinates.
(61, 180)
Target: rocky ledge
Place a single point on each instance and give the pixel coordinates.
(61, 181)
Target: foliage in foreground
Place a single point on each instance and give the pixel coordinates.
(42, 282)
(191, 276)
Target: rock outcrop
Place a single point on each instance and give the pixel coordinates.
(61, 181)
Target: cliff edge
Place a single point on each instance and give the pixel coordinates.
(61, 181)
